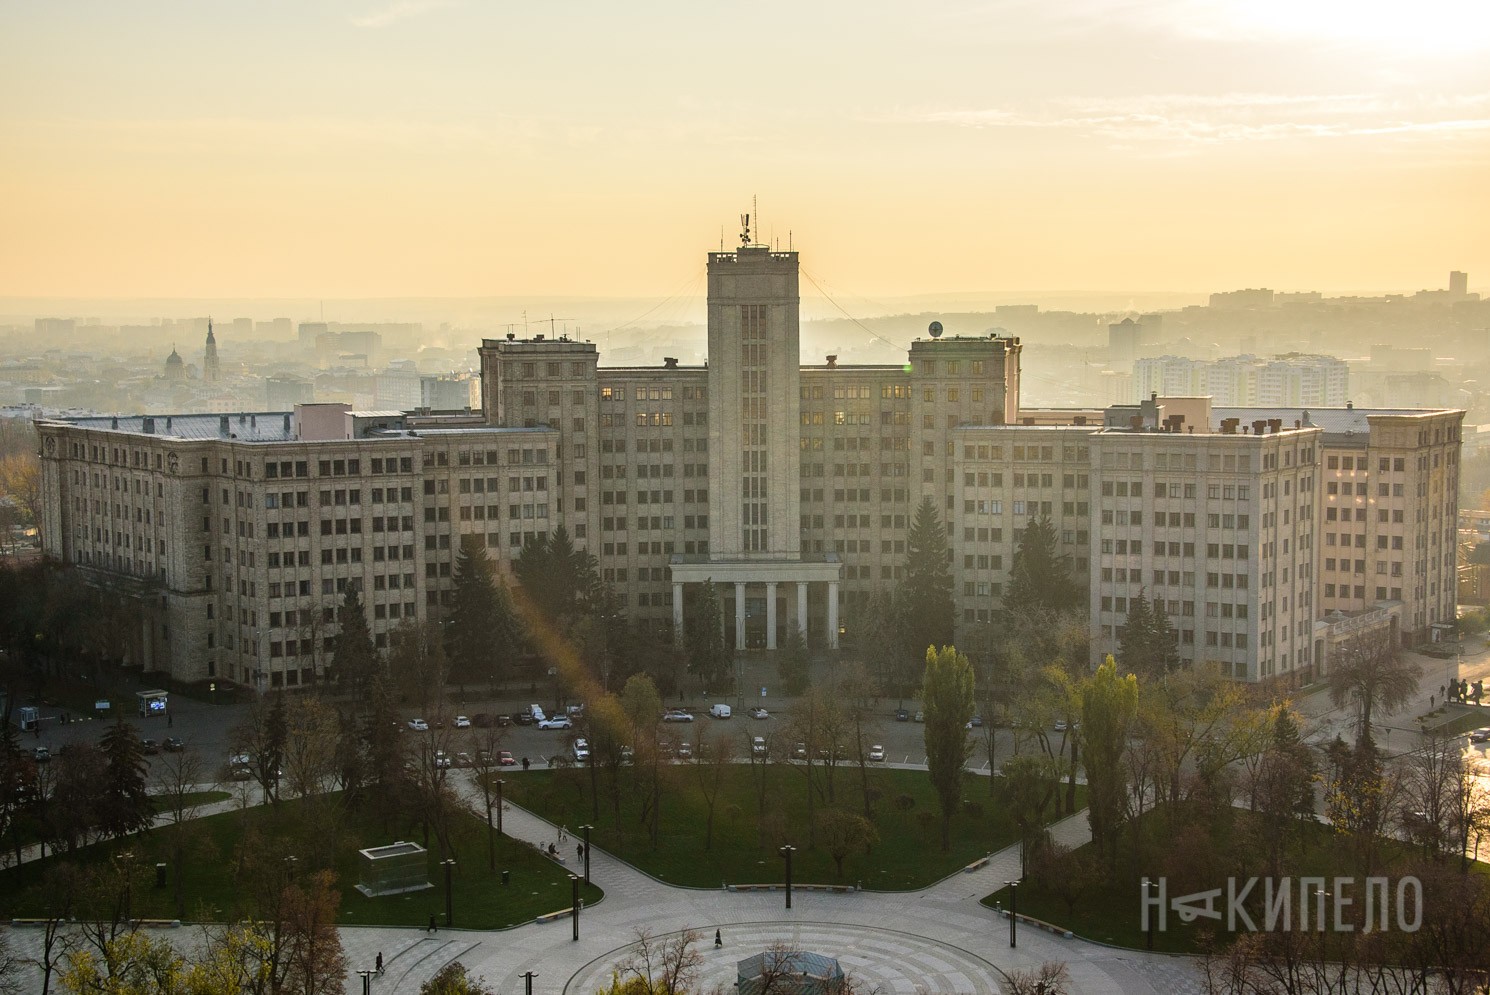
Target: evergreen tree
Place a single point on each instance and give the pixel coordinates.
(1041, 578)
(1164, 639)
(356, 661)
(125, 806)
(703, 634)
(947, 699)
(792, 661)
(481, 637)
(1147, 642)
(927, 612)
(558, 579)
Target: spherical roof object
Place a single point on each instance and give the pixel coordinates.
(935, 329)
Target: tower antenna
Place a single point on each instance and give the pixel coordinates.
(755, 210)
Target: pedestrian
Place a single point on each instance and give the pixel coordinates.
(579, 851)
(718, 939)
(379, 965)
(563, 833)
(170, 719)
(525, 763)
(1430, 701)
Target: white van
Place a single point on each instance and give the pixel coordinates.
(720, 711)
(537, 713)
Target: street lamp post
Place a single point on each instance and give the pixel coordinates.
(449, 865)
(1013, 912)
(500, 782)
(212, 687)
(290, 863)
(787, 852)
(1147, 884)
(586, 830)
(528, 977)
(574, 904)
(366, 977)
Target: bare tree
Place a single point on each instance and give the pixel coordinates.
(711, 761)
(486, 768)
(1372, 673)
(660, 965)
(1050, 978)
(177, 776)
(309, 753)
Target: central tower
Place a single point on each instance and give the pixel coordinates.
(754, 360)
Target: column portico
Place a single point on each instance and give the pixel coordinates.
(739, 615)
(833, 614)
(677, 613)
(802, 608)
(770, 614)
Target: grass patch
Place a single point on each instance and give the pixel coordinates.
(321, 834)
(191, 799)
(1467, 721)
(1193, 857)
(746, 840)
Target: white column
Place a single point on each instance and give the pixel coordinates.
(739, 615)
(802, 608)
(770, 615)
(832, 614)
(677, 614)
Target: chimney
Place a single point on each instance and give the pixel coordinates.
(1297, 423)
(1275, 425)
(242, 419)
(1349, 405)
(670, 362)
(832, 362)
(1258, 426)
(511, 336)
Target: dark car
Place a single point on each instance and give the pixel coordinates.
(481, 720)
(41, 755)
(522, 718)
(173, 745)
(902, 715)
(149, 747)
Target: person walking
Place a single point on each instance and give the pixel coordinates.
(378, 967)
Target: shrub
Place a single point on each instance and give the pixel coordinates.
(904, 803)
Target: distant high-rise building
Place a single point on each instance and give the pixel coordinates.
(450, 393)
(1458, 284)
(1124, 341)
(309, 332)
(1251, 297)
(48, 328)
(211, 371)
(1315, 381)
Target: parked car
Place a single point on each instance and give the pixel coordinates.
(627, 754)
(1060, 725)
(173, 744)
(149, 747)
(575, 711)
(677, 715)
(902, 715)
(461, 722)
(877, 753)
(685, 751)
(720, 711)
(665, 748)
(557, 722)
(920, 716)
(505, 759)
(799, 752)
(758, 746)
(523, 718)
(442, 760)
(41, 755)
(581, 750)
(536, 712)
(419, 725)
(1480, 735)
(463, 760)
(976, 722)
(759, 713)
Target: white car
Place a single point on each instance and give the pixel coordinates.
(677, 715)
(419, 725)
(720, 711)
(581, 750)
(758, 746)
(461, 722)
(759, 713)
(877, 753)
(442, 760)
(557, 722)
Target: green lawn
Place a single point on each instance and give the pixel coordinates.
(1111, 911)
(745, 846)
(318, 833)
(192, 799)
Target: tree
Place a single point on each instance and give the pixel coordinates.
(792, 661)
(1030, 789)
(1283, 786)
(1108, 704)
(1147, 643)
(703, 634)
(642, 704)
(658, 966)
(482, 635)
(711, 763)
(454, 979)
(312, 732)
(260, 738)
(947, 699)
(1371, 671)
(880, 640)
(1358, 796)
(176, 776)
(417, 661)
(356, 661)
(1050, 978)
(125, 806)
(559, 579)
(928, 613)
(1041, 578)
(842, 833)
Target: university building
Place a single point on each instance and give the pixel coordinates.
(792, 486)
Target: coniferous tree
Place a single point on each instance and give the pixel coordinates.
(1147, 643)
(356, 661)
(927, 612)
(703, 634)
(792, 661)
(125, 806)
(1041, 579)
(558, 579)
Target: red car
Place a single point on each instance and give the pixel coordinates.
(504, 759)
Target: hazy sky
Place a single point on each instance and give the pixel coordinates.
(495, 147)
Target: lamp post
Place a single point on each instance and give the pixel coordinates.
(586, 830)
(786, 852)
(449, 865)
(366, 977)
(528, 977)
(290, 863)
(574, 904)
(500, 782)
(127, 859)
(1013, 912)
(212, 688)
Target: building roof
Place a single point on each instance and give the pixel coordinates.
(1335, 421)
